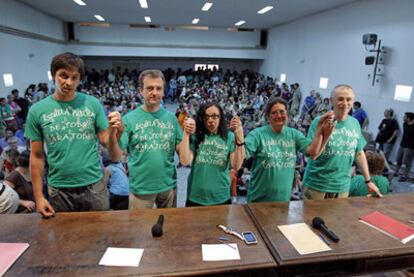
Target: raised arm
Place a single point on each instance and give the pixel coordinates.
(239, 154)
(324, 130)
(184, 152)
(115, 130)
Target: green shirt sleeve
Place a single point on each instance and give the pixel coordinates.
(312, 128)
(124, 141)
(32, 130)
(101, 121)
(361, 142)
(179, 132)
(230, 141)
(302, 142)
(252, 144)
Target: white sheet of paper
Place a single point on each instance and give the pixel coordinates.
(115, 256)
(303, 239)
(220, 252)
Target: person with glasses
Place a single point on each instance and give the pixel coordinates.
(273, 150)
(213, 150)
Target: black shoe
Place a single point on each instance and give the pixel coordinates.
(402, 179)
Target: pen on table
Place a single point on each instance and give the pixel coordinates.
(324, 239)
(229, 245)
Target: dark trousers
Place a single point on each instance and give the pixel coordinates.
(118, 202)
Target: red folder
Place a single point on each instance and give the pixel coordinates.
(389, 226)
(9, 253)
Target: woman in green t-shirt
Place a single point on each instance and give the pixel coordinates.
(213, 150)
(273, 149)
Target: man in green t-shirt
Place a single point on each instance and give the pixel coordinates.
(70, 124)
(329, 175)
(150, 135)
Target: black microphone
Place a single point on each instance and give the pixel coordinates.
(157, 228)
(319, 224)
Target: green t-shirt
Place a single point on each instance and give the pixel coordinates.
(330, 172)
(69, 130)
(359, 188)
(274, 161)
(151, 140)
(209, 179)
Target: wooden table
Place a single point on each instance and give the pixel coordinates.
(72, 244)
(360, 249)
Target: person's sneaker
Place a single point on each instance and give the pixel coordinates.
(402, 179)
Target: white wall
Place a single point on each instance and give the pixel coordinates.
(26, 58)
(184, 64)
(123, 34)
(19, 16)
(121, 40)
(330, 45)
(35, 38)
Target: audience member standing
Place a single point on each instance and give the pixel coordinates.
(387, 134)
(360, 114)
(405, 153)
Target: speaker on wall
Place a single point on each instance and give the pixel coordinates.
(263, 38)
(70, 31)
(369, 60)
(369, 39)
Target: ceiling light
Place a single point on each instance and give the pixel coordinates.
(195, 20)
(79, 2)
(207, 6)
(241, 22)
(100, 18)
(283, 77)
(147, 19)
(143, 4)
(265, 9)
(192, 27)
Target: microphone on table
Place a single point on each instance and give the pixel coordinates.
(319, 224)
(157, 228)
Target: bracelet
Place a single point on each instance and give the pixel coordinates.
(240, 144)
(368, 181)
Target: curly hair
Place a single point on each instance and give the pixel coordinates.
(201, 130)
(376, 163)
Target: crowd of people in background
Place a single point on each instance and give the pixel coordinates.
(243, 94)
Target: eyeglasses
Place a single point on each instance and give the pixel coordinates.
(277, 113)
(212, 116)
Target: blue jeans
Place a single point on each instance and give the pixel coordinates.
(387, 149)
